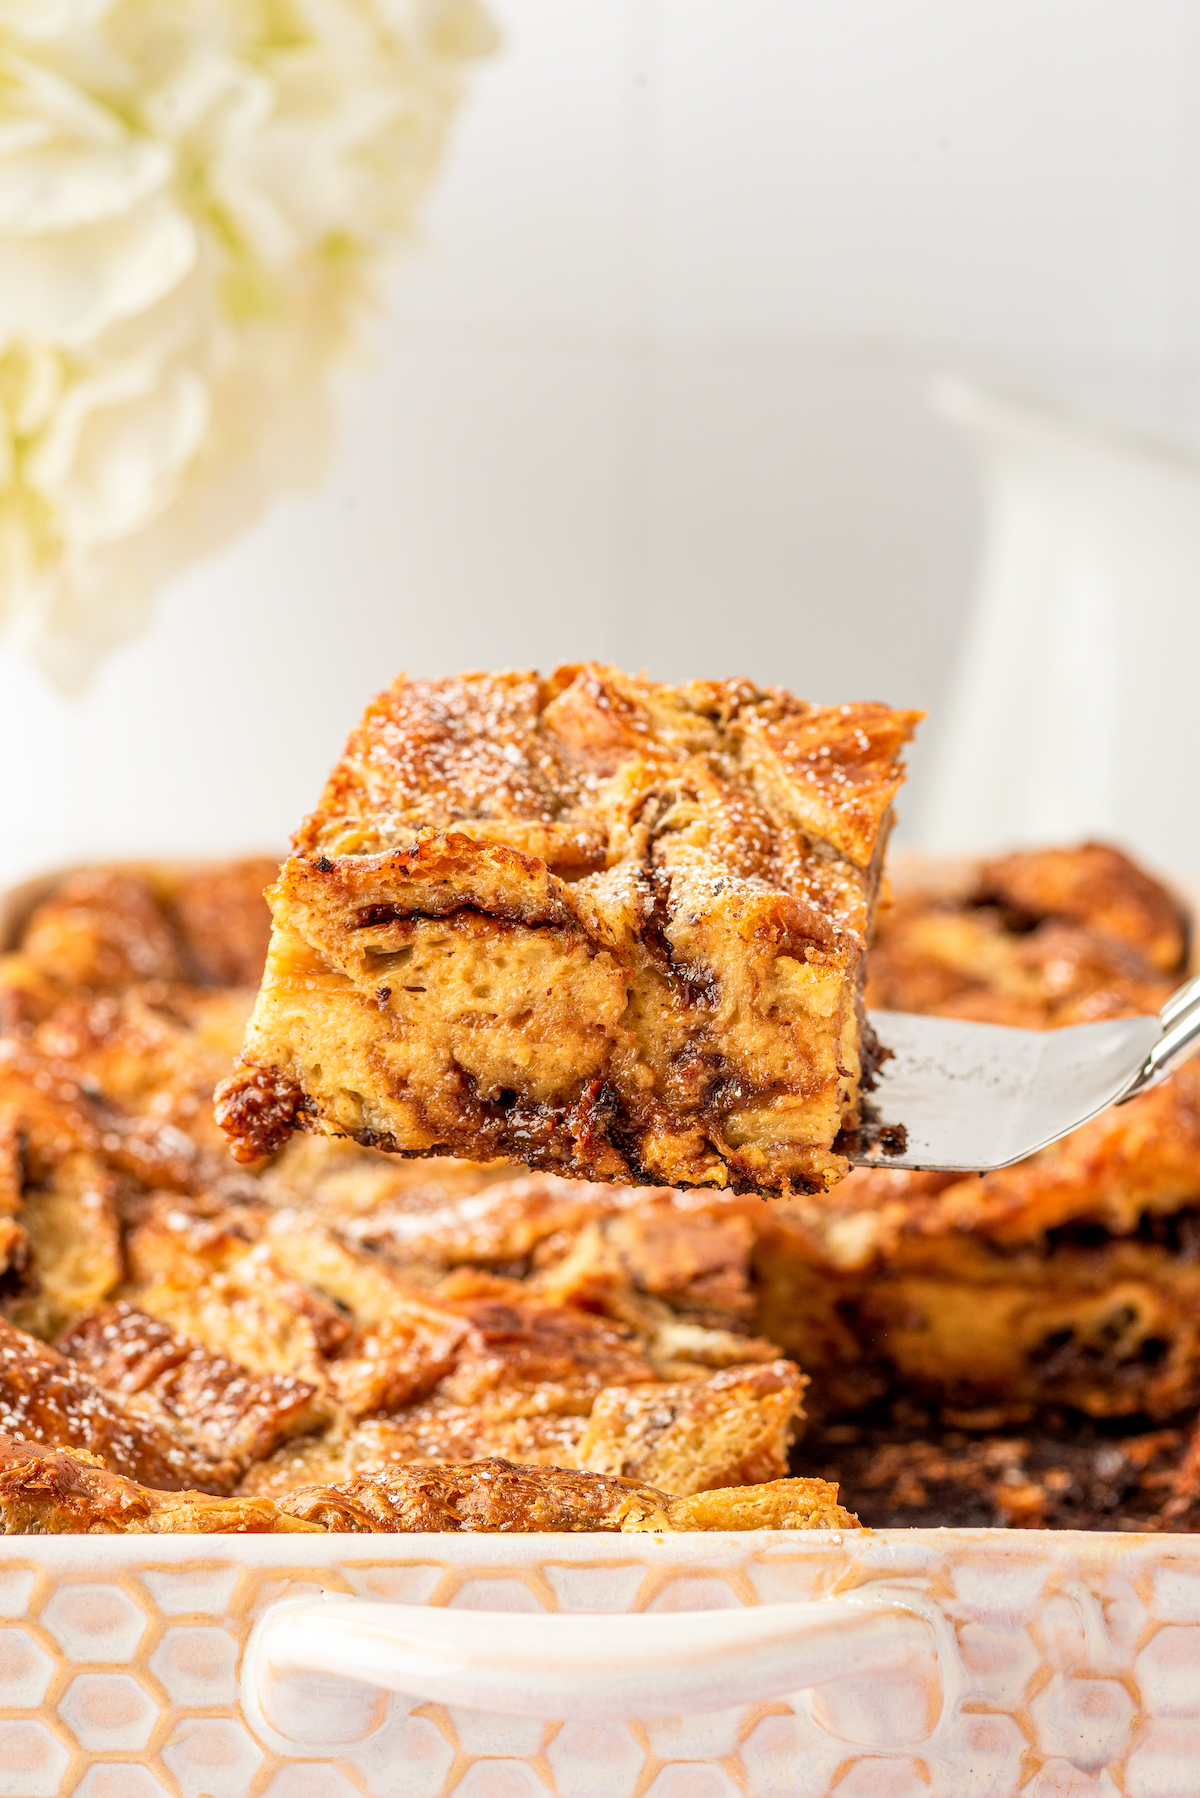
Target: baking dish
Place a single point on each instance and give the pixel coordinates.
(875, 1665)
(970, 1664)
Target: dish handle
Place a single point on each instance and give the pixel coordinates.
(317, 1664)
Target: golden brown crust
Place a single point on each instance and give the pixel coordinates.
(102, 929)
(158, 1132)
(222, 1325)
(226, 1416)
(732, 1430)
(489, 1495)
(1072, 1279)
(713, 1429)
(1039, 940)
(986, 1334)
(114, 991)
(1069, 1279)
(498, 1496)
(516, 1342)
(1141, 1159)
(839, 767)
(430, 1431)
(966, 964)
(69, 1492)
(796, 1504)
(106, 928)
(271, 1324)
(1095, 885)
(222, 920)
(54, 1492)
(397, 1361)
(594, 924)
(45, 1398)
(470, 1364)
(70, 1257)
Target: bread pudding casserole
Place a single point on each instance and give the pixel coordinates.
(338, 1338)
(591, 924)
(186, 1344)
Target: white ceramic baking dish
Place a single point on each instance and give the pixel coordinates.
(779, 1664)
(888, 1664)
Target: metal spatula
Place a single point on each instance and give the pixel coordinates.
(978, 1096)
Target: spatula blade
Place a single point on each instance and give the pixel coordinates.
(972, 1097)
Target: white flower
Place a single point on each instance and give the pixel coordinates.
(196, 197)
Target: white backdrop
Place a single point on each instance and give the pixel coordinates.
(653, 388)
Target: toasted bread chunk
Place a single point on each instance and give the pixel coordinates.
(73, 1253)
(100, 929)
(694, 1256)
(521, 1382)
(45, 1398)
(56, 1492)
(271, 1324)
(736, 1424)
(1072, 1278)
(108, 928)
(52, 1106)
(799, 1504)
(966, 964)
(149, 1049)
(1038, 940)
(433, 1431)
(1071, 1281)
(362, 1285)
(308, 1323)
(109, 983)
(397, 1361)
(227, 1416)
(1138, 1159)
(732, 1430)
(1094, 885)
(495, 1495)
(523, 1355)
(675, 1265)
(46, 1117)
(222, 920)
(593, 924)
(488, 1495)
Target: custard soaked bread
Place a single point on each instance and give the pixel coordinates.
(593, 924)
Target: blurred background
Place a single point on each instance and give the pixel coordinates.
(655, 387)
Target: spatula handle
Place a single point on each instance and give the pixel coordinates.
(1180, 1019)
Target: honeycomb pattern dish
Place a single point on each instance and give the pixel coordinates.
(1070, 1668)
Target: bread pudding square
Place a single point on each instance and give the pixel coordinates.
(594, 924)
